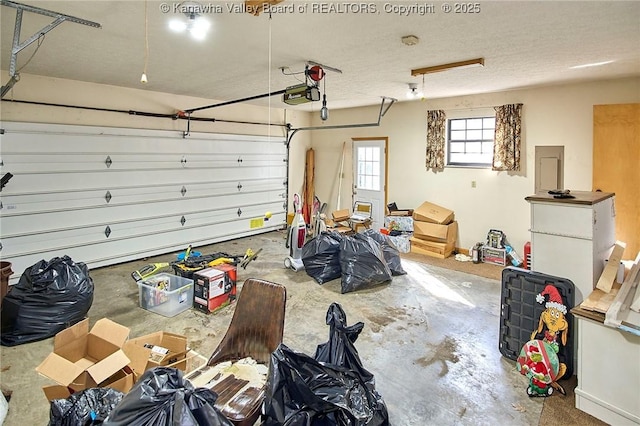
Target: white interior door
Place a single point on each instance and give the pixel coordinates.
(369, 170)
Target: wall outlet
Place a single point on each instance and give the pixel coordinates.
(473, 183)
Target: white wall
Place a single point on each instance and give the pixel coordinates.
(54, 90)
(558, 115)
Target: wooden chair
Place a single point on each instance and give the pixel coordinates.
(255, 331)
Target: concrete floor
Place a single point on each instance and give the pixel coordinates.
(430, 338)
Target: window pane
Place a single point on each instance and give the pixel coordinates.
(475, 158)
(368, 168)
(376, 183)
(470, 141)
(457, 158)
(457, 124)
(474, 135)
(458, 135)
(456, 147)
(376, 154)
(473, 147)
(361, 181)
(361, 152)
(488, 134)
(474, 123)
(368, 182)
(489, 123)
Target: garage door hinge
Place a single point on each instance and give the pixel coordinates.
(183, 220)
(107, 231)
(239, 212)
(239, 159)
(239, 186)
(183, 191)
(107, 196)
(183, 161)
(285, 182)
(108, 161)
(284, 205)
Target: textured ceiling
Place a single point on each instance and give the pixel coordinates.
(524, 44)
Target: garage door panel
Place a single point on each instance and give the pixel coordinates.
(107, 195)
(18, 222)
(34, 203)
(61, 240)
(41, 181)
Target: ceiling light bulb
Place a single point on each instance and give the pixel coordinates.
(413, 91)
(177, 25)
(198, 28)
(143, 79)
(324, 111)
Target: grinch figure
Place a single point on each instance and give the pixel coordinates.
(538, 358)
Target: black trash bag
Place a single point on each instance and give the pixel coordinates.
(306, 391)
(162, 396)
(389, 251)
(362, 263)
(49, 297)
(88, 407)
(321, 257)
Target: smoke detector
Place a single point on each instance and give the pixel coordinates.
(410, 40)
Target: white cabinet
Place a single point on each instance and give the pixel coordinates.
(571, 238)
(608, 371)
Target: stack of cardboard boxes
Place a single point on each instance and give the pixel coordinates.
(434, 231)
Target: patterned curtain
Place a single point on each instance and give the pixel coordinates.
(506, 145)
(436, 120)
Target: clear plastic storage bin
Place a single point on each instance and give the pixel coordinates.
(166, 294)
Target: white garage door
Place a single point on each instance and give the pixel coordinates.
(108, 195)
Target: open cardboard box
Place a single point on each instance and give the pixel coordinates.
(429, 212)
(83, 359)
(156, 349)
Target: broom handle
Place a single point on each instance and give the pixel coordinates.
(340, 177)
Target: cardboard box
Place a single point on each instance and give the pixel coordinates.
(154, 350)
(496, 256)
(341, 215)
(431, 248)
(83, 359)
(215, 288)
(436, 232)
(209, 283)
(429, 212)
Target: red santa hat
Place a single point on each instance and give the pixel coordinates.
(554, 301)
